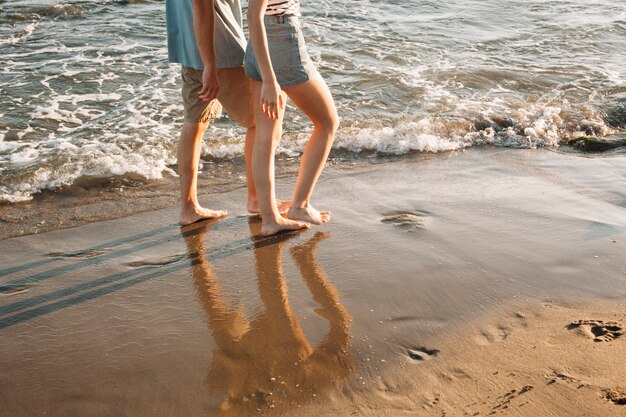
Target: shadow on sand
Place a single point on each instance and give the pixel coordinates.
(39, 305)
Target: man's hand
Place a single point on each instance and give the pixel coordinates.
(204, 28)
(210, 84)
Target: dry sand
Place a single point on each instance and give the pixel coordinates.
(527, 359)
(445, 285)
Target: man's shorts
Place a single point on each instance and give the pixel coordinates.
(234, 96)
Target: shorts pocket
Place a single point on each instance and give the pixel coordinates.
(281, 52)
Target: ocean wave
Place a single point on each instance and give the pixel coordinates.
(398, 140)
(27, 12)
(21, 35)
(114, 154)
(32, 17)
(531, 127)
(64, 9)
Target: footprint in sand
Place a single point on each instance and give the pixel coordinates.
(492, 335)
(86, 253)
(422, 354)
(13, 289)
(564, 377)
(158, 262)
(617, 397)
(597, 330)
(505, 400)
(410, 220)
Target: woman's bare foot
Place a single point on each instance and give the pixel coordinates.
(281, 225)
(281, 205)
(194, 214)
(308, 214)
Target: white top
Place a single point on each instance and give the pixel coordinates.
(282, 7)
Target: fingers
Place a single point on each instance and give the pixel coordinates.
(209, 90)
(208, 93)
(270, 109)
(213, 93)
(203, 91)
(272, 101)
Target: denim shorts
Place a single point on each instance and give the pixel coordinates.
(290, 60)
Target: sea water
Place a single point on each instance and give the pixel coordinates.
(86, 90)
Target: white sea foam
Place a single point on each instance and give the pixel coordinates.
(89, 160)
(398, 140)
(52, 109)
(149, 155)
(29, 129)
(13, 195)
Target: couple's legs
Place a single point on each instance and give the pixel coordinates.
(315, 100)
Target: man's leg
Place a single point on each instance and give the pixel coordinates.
(189, 147)
(198, 114)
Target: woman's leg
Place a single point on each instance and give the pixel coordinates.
(253, 201)
(314, 99)
(268, 132)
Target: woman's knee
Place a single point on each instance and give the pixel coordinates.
(328, 124)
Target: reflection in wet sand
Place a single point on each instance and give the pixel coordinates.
(267, 362)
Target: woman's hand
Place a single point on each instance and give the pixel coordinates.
(272, 100)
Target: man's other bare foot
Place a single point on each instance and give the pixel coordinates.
(308, 214)
(194, 214)
(281, 225)
(281, 205)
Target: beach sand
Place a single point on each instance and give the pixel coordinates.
(485, 282)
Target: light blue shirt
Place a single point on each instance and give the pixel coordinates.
(230, 41)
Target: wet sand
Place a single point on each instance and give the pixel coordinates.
(445, 285)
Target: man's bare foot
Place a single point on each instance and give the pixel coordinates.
(192, 215)
(281, 225)
(308, 214)
(281, 205)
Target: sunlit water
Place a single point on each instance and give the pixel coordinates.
(86, 90)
